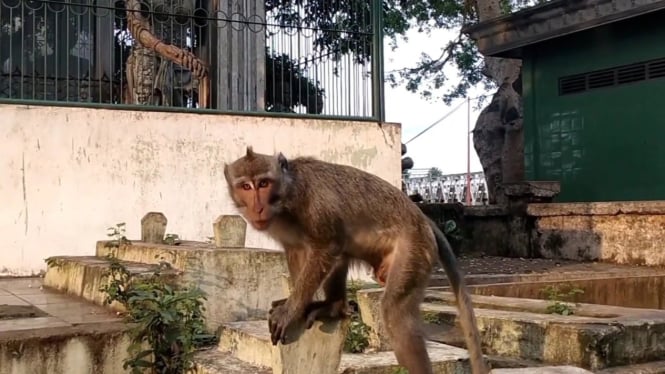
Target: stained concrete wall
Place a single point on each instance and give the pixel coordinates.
(69, 173)
(627, 232)
(79, 350)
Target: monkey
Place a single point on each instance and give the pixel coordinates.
(327, 216)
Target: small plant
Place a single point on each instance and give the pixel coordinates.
(432, 317)
(53, 262)
(353, 287)
(168, 323)
(172, 239)
(117, 235)
(357, 335)
(452, 231)
(557, 300)
(399, 370)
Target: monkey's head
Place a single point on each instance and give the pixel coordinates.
(256, 184)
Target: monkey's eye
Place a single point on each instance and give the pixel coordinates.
(246, 186)
(264, 183)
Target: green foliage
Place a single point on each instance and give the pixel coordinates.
(288, 86)
(353, 287)
(344, 27)
(399, 370)
(53, 262)
(117, 235)
(557, 298)
(172, 239)
(431, 317)
(435, 172)
(452, 231)
(357, 335)
(168, 323)
(428, 76)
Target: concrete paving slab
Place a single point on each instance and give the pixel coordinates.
(543, 370)
(213, 361)
(69, 336)
(657, 367)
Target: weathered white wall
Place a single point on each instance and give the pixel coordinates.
(69, 173)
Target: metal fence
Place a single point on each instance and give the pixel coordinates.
(451, 188)
(308, 57)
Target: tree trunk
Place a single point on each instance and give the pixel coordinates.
(498, 136)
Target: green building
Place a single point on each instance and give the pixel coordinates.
(593, 83)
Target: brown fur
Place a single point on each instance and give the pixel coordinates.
(326, 215)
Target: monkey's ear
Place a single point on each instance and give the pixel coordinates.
(283, 163)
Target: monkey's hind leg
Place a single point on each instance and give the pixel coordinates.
(400, 308)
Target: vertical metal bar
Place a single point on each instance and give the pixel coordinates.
(378, 111)
(468, 151)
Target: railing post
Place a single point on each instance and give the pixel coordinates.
(378, 108)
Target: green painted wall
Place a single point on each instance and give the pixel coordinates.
(604, 144)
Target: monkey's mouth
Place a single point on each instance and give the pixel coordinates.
(261, 224)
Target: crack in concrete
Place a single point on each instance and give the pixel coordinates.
(25, 194)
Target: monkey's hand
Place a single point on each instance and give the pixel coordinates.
(277, 303)
(326, 310)
(279, 320)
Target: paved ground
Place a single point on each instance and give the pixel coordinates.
(25, 305)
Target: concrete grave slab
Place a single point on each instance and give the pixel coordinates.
(595, 337)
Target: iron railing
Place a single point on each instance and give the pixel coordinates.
(450, 188)
(305, 57)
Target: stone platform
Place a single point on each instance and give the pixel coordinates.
(43, 331)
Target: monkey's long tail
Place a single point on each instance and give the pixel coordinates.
(464, 304)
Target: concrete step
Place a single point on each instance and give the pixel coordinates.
(543, 370)
(596, 337)
(83, 276)
(240, 283)
(213, 361)
(656, 367)
(62, 335)
(249, 341)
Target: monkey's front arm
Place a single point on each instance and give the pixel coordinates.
(314, 270)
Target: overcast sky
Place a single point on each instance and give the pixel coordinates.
(443, 146)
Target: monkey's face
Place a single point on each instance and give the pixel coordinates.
(254, 184)
(253, 197)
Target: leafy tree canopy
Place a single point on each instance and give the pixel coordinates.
(435, 172)
(427, 76)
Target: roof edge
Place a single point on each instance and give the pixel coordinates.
(505, 36)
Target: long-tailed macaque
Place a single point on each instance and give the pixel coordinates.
(325, 216)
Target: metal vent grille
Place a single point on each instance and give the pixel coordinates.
(572, 84)
(656, 69)
(612, 77)
(631, 73)
(601, 79)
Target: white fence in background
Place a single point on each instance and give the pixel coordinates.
(449, 188)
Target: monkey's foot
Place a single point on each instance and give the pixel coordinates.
(326, 310)
(280, 318)
(277, 303)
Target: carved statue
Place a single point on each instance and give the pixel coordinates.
(147, 81)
